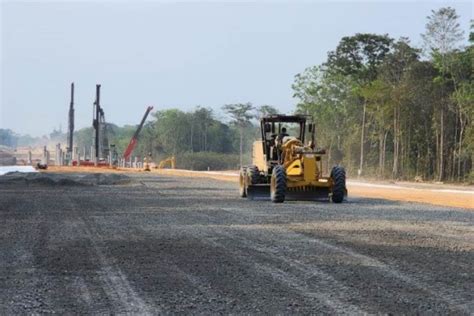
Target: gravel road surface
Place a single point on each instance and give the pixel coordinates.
(163, 244)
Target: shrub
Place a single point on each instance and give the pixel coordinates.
(207, 160)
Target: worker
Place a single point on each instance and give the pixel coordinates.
(147, 162)
(282, 134)
(279, 143)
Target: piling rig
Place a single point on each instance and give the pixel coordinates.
(70, 135)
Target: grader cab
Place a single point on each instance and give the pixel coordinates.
(284, 167)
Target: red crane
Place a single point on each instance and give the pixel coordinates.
(133, 141)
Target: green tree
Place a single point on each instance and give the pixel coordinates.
(172, 131)
(201, 120)
(393, 71)
(376, 101)
(241, 116)
(359, 56)
(265, 110)
(442, 36)
(329, 99)
(379, 104)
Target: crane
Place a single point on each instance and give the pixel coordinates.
(133, 141)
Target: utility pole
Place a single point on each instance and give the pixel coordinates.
(95, 123)
(71, 126)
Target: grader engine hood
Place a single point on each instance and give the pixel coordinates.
(304, 167)
(299, 161)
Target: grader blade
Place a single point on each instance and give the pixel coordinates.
(307, 194)
(258, 192)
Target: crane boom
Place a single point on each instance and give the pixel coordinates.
(133, 141)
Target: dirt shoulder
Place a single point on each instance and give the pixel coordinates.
(444, 197)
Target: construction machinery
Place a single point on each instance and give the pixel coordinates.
(284, 167)
(70, 134)
(100, 151)
(96, 120)
(171, 161)
(133, 141)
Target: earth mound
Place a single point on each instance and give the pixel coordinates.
(57, 179)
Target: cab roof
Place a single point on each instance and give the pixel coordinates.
(285, 118)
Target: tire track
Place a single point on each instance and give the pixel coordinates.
(115, 283)
(292, 239)
(329, 292)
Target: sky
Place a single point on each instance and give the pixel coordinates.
(176, 54)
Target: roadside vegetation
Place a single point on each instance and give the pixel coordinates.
(388, 109)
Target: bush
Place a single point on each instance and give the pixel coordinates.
(207, 160)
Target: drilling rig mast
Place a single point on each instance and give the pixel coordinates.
(70, 126)
(96, 124)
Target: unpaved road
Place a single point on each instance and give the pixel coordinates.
(188, 245)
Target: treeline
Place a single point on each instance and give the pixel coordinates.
(388, 109)
(200, 140)
(11, 139)
(197, 138)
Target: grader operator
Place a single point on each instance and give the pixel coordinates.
(285, 168)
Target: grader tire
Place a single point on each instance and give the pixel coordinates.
(254, 174)
(278, 185)
(338, 175)
(242, 184)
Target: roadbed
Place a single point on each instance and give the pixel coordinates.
(163, 244)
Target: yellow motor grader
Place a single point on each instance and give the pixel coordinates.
(285, 168)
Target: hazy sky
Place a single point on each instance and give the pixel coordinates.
(175, 54)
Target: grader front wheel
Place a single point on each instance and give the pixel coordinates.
(254, 174)
(278, 185)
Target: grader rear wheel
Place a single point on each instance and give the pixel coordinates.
(338, 175)
(242, 184)
(278, 185)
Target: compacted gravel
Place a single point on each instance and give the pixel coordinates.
(160, 244)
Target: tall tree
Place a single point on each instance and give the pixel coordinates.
(202, 118)
(359, 56)
(265, 110)
(379, 104)
(393, 71)
(463, 97)
(441, 37)
(172, 130)
(241, 114)
(329, 98)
